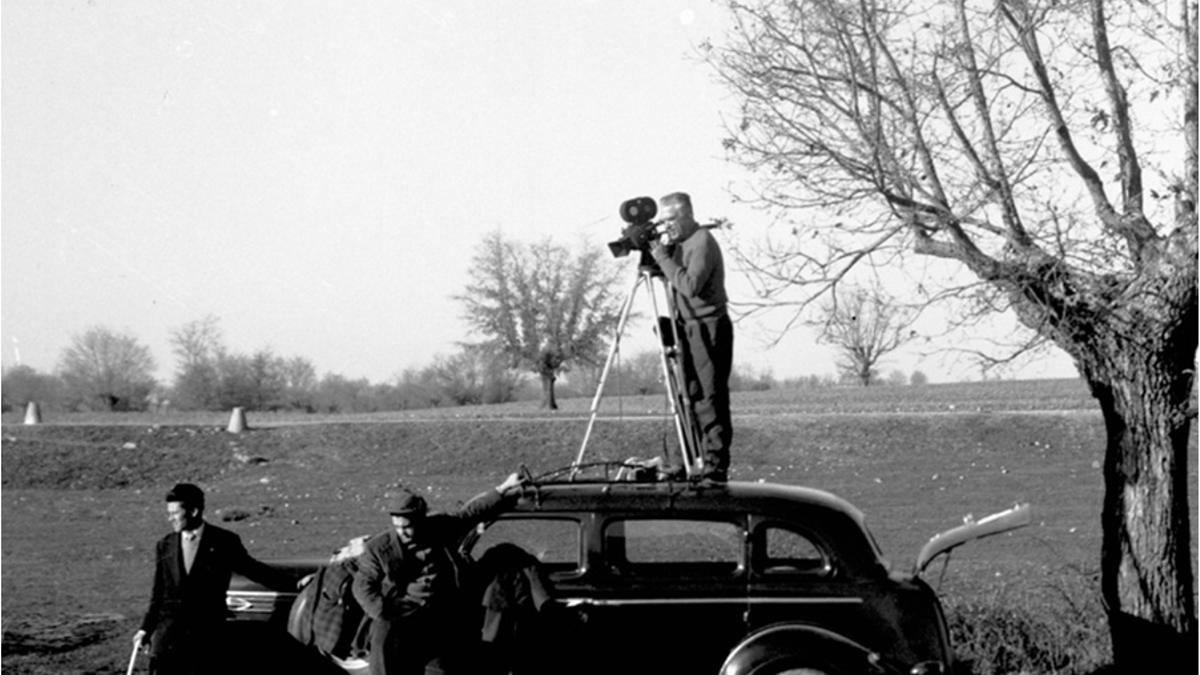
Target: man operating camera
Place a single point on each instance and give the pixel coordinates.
(691, 260)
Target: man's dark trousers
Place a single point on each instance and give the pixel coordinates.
(707, 364)
(403, 646)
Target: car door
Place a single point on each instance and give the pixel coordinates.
(797, 576)
(528, 631)
(667, 593)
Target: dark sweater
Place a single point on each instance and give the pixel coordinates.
(696, 270)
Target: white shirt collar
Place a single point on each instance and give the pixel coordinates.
(193, 535)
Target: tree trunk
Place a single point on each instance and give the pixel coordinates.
(1135, 345)
(1145, 560)
(548, 401)
(1147, 578)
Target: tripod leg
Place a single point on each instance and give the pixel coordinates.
(612, 352)
(673, 377)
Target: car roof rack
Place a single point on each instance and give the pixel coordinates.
(632, 470)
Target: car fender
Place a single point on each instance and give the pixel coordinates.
(791, 645)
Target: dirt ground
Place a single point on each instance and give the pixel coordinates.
(82, 504)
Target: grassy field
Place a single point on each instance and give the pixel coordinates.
(82, 498)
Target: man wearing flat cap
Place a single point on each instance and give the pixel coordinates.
(410, 581)
(193, 565)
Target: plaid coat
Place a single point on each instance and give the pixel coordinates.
(330, 618)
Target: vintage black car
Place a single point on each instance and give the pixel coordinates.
(733, 578)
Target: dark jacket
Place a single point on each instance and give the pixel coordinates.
(386, 570)
(514, 593)
(189, 606)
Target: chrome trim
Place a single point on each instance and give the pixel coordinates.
(261, 594)
(618, 602)
(257, 602)
(805, 601)
(238, 604)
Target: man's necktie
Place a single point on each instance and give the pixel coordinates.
(191, 542)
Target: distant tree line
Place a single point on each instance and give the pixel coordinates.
(105, 370)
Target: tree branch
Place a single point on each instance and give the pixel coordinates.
(1187, 193)
(997, 177)
(1131, 231)
(1139, 231)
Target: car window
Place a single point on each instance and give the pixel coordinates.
(672, 547)
(553, 541)
(782, 550)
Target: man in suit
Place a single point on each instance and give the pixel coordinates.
(191, 575)
(410, 581)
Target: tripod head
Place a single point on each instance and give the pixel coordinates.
(647, 263)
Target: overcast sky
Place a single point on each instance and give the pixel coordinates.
(317, 174)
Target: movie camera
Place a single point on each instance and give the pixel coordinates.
(639, 213)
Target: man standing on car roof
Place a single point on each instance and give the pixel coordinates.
(193, 565)
(691, 260)
(410, 582)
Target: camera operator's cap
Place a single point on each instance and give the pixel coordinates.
(405, 503)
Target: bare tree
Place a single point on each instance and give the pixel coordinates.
(865, 325)
(266, 378)
(197, 342)
(299, 377)
(540, 305)
(472, 376)
(638, 374)
(209, 376)
(644, 373)
(196, 345)
(339, 394)
(1045, 150)
(107, 370)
